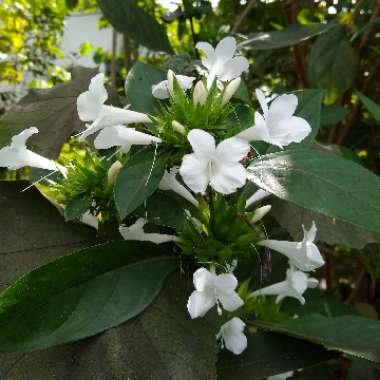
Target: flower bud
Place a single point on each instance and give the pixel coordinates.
(200, 93)
(178, 127)
(260, 213)
(230, 90)
(113, 171)
(171, 77)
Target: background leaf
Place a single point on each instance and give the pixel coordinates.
(323, 183)
(137, 180)
(81, 294)
(138, 87)
(52, 111)
(371, 106)
(291, 35)
(128, 17)
(332, 62)
(333, 114)
(269, 354)
(356, 336)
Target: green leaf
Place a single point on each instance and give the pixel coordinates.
(371, 106)
(242, 93)
(356, 336)
(321, 182)
(81, 294)
(76, 208)
(269, 354)
(137, 180)
(162, 342)
(330, 231)
(138, 87)
(32, 231)
(52, 111)
(333, 114)
(291, 35)
(362, 370)
(128, 17)
(332, 62)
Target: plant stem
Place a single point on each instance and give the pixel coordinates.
(113, 58)
(242, 16)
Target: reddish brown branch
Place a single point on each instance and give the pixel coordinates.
(360, 273)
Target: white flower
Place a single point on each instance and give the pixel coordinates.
(169, 182)
(304, 255)
(17, 155)
(218, 166)
(124, 137)
(232, 336)
(164, 89)
(260, 212)
(256, 197)
(293, 286)
(211, 290)
(91, 107)
(281, 376)
(221, 62)
(136, 232)
(90, 219)
(277, 125)
(230, 90)
(200, 93)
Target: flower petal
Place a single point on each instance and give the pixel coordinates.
(230, 301)
(225, 49)
(160, 90)
(309, 235)
(287, 131)
(232, 150)
(19, 140)
(185, 82)
(262, 101)
(209, 57)
(314, 255)
(97, 88)
(233, 68)
(37, 161)
(233, 336)
(200, 303)
(203, 143)
(282, 107)
(226, 282)
(226, 179)
(114, 116)
(203, 279)
(194, 173)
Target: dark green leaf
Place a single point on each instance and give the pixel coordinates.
(321, 182)
(242, 93)
(81, 294)
(371, 106)
(356, 336)
(332, 62)
(162, 342)
(53, 112)
(330, 231)
(291, 35)
(333, 114)
(138, 180)
(128, 17)
(76, 208)
(32, 231)
(269, 354)
(138, 87)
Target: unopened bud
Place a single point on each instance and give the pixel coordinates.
(171, 77)
(178, 127)
(113, 171)
(230, 90)
(260, 213)
(200, 93)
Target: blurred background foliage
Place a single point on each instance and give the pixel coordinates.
(331, 45)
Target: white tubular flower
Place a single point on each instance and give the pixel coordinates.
(178, 127)
(293, 286)
(256, 197)
(113, 171)
(17, 155)
(260, 213)
(304, 255)
(230, 90)
(211, 290)
(90, 220)
(277, 125)
(232, 336)
(200, 93)
(221, 62)
(124, 137)
(136, 232)
(218, 166)
(91, 108)
(169, 182)
(164, 89)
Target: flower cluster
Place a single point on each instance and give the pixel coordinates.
(207, 168)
